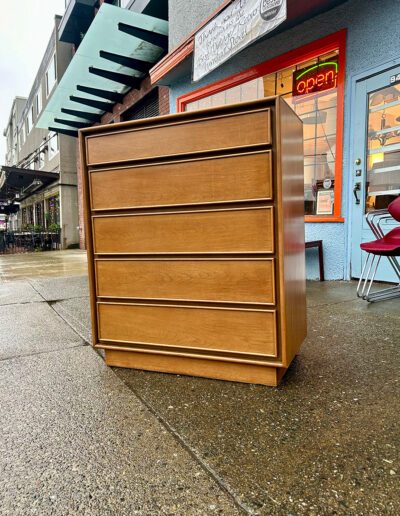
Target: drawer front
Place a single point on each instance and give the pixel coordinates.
(225, 179)
(214, 231)
(246, 331)
(241, 281)
(174, 139)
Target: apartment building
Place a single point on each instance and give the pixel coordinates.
(42, 180)
(107, 81)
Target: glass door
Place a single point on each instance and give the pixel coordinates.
(376, 170)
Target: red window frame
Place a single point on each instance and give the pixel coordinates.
(336, 41)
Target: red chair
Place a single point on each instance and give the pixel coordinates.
(386, 245)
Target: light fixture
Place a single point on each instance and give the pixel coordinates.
(33, 186)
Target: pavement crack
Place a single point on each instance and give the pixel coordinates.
(52, 302)
(43, 352)
(244, 509)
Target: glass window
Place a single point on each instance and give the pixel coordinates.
(41, 156)
(310, 88)
(51, 75)
(29, 215)
(30, 119)
(53, 145)
(53, 210)
(39, 212)
(383, 147)
(24, 216)
(39, 101)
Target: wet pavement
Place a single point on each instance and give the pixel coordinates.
(42, 264)
(81, 438)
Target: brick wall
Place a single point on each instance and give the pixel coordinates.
(131, 98)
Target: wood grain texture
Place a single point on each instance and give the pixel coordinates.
(263, 375)
(238, 281)
(215, 132)
(88, 232)
(216, 180)
(241, 330)
(211, 231)
(178, 285)
(290, 233)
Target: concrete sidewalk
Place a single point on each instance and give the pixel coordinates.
(80, 438)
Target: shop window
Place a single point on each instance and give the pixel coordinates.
(311, 88)
(24, 216)
(53, 145)
(51, 75)
(53, 210)
(39, 212)
(27, 216)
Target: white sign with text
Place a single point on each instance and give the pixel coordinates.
(238, 25)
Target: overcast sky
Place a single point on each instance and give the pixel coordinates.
(25, 29)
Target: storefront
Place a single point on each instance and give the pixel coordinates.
(338, 71)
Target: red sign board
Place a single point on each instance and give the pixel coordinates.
(316, 78)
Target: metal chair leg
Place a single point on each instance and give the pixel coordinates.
(367, 278)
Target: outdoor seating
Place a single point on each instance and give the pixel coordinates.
(384, 246)
(29, 240)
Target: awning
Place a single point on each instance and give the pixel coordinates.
(18, 183)
(117, 51)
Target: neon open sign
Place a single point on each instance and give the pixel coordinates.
(320, 77)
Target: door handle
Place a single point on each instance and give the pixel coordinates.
(357, 188)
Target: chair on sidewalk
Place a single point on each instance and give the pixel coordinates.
(386, 245)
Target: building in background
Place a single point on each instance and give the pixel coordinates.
(107, 81)
(40, 176)
(337, 64)
(11, 131)
(12, 154)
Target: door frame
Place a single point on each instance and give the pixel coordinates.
(349, 135)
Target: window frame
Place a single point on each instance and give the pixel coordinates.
(39, 101)
(50, 155)
(52, 61)
(335, 41)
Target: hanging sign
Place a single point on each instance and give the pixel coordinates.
(238, 25)
(315, 78)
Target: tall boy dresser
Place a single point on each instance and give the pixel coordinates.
(195, 239)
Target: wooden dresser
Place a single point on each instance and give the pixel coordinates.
(195, 239)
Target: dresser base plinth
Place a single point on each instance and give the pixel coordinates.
(216, 369)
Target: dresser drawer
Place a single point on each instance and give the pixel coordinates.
(235, 330)
(224, 131)
(213, 231)
(238, 281)
(213, 180)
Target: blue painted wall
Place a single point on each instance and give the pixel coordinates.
(372, 40)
